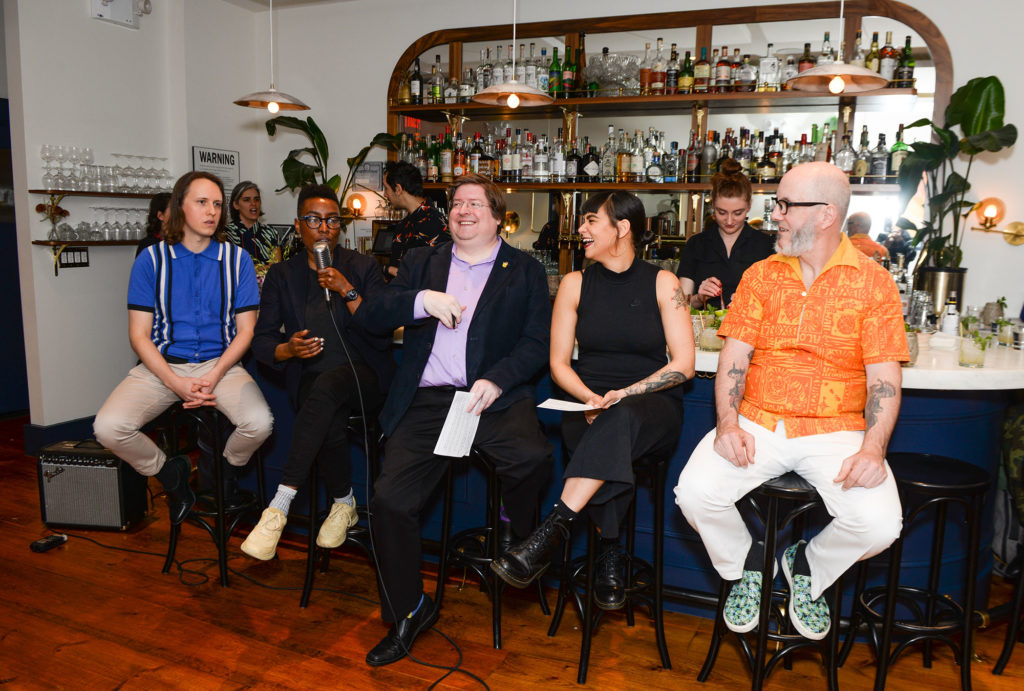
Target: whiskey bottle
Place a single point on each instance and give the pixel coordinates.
(746, 76)
(879, 160)
(416, 84)
(645, 71)
(672, 72)
(806, 60)
(447, 154)
(862, 166)
(693, 155)
(475, 155)
(622, 157)
(789, 70)
(459, 160)
(702, 73)
(888, 58)
(723, 72)
(659, 67)
(898, 152)
(905, 68)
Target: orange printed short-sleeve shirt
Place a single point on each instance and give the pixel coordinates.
(811, 344)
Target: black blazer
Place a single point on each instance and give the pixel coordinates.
(283, 304)
(508, 337)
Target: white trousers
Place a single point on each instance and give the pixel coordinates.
(865, 521)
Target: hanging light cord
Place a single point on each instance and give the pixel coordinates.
(842, 29)
(514, 13)
(271, 45)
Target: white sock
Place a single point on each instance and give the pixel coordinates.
(349, 499)
(283, 499)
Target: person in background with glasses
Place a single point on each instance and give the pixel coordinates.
(477, 316)
(326, 373)
(808, 381)
(424, 226)
(246, 230)
(714, 260)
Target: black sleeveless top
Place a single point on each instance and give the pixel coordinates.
(618, 328)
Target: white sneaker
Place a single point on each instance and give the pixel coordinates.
(335, 528)
(262, 541)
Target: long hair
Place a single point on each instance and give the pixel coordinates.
(622, 206)
(176, 223)
(154, 226)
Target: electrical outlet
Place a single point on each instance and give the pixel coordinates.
(74, 257)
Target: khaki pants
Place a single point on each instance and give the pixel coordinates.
(142, 396)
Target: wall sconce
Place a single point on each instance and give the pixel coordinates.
(990, 212)
(511, 224)
(356, 203)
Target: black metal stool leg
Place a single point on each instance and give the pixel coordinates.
(717, 632)
(172, 546)
(588, 606)
(891, 590)
(967, 649)
(767, 578)
(1012, 626)
(564, 586)
(446, 525)
(934, 572)
(311, 548)
(661, 471)
(494, 521)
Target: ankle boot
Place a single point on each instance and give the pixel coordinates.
(234, 499)
(174, 476)
(522, 564)
(609, 583)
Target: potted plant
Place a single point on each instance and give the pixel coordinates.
(977, 108)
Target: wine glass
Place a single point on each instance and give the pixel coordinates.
(107, 228)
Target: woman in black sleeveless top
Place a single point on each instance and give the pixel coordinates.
(623, 312)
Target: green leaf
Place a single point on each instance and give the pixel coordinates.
(334, 183)
(297, 153)
(911, 171)
(286, 121)
(955, 184)
(977, 106)
(993, 140)
(316, 135)
(919, 123)
(297, 174)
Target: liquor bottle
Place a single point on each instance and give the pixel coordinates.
(879, 160)
(686, 75)
(806, 60)
(744, 153)
(821, 149)
(475, 155)
(670, 163)
(516, 161)
(505, 147)
(451, 91)
(654, 172)
(723, 72)
(590, 164)
(416, 84)
(827, 56)
(734, 67)
(543, 76)
(526, 152)
(693, 156)
(609, 157)
(421, 158)
(645, 71)
(672, 72)
(768, 71)
(579, 86)
(434, 160)
(508, 70)
(788, 71)
(846, 156)
(905, 68)
(765, 168)
(520, 70)
(541, 161)
(483, 71)
(862, 166)
(558, 158)
(555, 76)
(873, 60)
(459, 160)
(898, 152)
(659, 67)
(702, 73)
(776, 154)
(447, 154)
(858, 57)
(622, 157)
(490, 160)
(568, 75)
(708, 157)
(713, 72)
(572, 164)
(746, 76)
(888, 59)
(637, 165)
(531, 67)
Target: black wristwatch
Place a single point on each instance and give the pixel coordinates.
(351, 295)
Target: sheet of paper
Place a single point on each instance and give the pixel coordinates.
(566, 406)
(459, 428)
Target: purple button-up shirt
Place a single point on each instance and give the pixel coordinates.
(447, 363)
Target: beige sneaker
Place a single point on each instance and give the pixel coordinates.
(262, 541)
(335, 529)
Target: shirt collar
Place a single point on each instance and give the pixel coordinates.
(214, 251)
(489, 260)
(845, 255)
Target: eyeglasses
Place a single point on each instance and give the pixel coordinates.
(472, 205)
(784, 205)
(333, 222)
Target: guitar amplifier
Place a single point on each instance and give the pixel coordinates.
(83, 485)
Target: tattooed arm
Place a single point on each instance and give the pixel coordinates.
(731, 441)
(866, 468)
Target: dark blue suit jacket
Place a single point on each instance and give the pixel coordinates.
(283, 303)
(508, 338)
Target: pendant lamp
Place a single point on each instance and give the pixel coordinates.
(512, 93)
(838, 77)
(271, 99)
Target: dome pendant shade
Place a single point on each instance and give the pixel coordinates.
(263, 99)
(501, 95)
(851, 79)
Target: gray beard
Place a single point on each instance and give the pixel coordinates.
(801, 241)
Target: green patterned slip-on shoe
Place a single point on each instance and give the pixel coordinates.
(810, 618)
(742, 607)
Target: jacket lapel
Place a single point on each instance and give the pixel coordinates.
(438, 267)
(504, 268)
(297, 288)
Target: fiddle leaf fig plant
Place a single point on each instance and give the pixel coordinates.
(977, 108)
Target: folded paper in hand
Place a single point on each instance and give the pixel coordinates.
(459, 428)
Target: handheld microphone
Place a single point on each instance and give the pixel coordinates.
(322, 256)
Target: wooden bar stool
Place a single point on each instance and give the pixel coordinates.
(792, 488)
(209, 511)
(363, 433)
(644, 580)
(475, 548)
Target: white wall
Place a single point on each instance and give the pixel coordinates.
(159, 90)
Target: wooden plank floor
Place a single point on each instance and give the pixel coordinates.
(86, 617)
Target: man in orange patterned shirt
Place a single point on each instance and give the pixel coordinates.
(808, 381)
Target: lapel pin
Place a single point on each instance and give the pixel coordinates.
(504, 265)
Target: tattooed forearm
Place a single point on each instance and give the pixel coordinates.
(656, 382)
(877, 392)
(738, 373)
(680, 298)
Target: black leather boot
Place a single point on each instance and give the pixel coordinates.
(174, 476)
(521, 565)
(234, 498)
(609, 580)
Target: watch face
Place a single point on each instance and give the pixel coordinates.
(351, 295)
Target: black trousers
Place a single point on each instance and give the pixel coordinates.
(410, 474)
(327, 400)
(637, 426)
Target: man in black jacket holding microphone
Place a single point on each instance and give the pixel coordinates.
(305, 304)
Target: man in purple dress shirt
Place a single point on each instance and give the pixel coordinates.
(477, 318)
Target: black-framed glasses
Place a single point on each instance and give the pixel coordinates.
(333, 222)
(784, 205)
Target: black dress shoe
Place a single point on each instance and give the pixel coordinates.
(609, 583)
(397, 644)
(174, 476)
(234, 498)
(521, 565)
(505, 537)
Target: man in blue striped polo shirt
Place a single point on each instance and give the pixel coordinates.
(192, 302)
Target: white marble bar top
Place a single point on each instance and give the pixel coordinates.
(938, 370)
